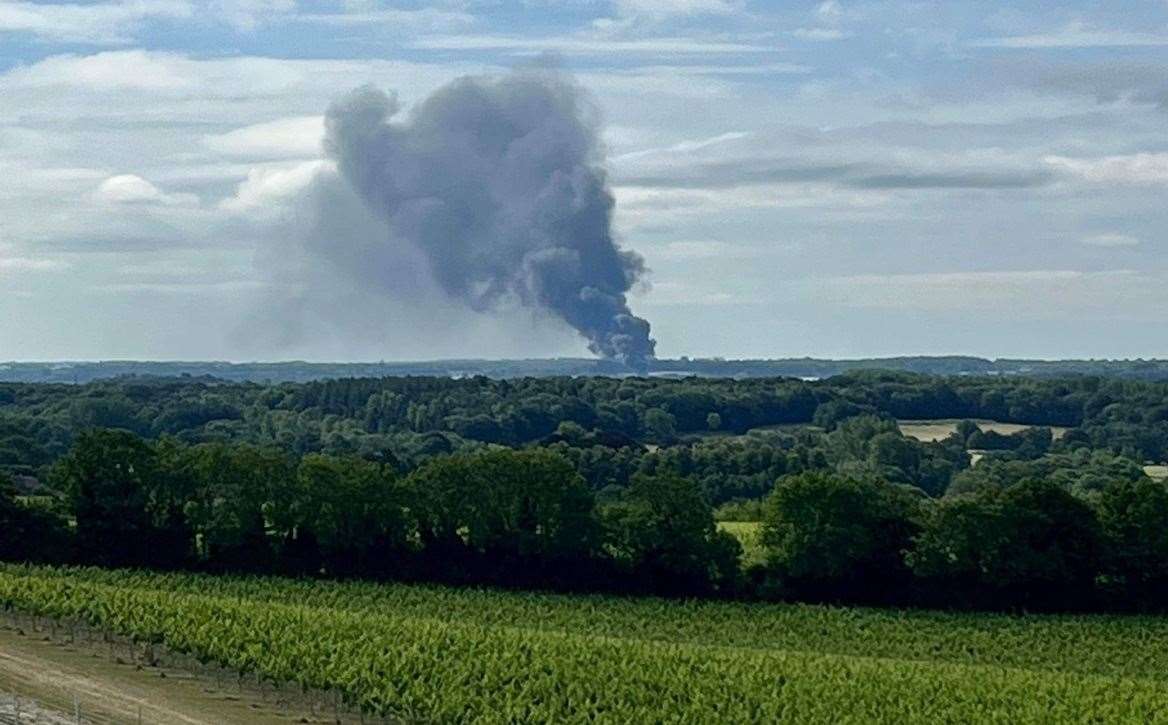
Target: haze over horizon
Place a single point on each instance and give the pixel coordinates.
(830, 179)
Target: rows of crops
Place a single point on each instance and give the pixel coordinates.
(475, 655)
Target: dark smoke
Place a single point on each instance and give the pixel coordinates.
(499, 183)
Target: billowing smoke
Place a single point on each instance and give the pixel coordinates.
(499, 183)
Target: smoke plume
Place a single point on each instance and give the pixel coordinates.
(499, 184)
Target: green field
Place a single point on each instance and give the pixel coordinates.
(472, 655)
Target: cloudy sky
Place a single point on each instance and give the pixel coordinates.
(838, 178)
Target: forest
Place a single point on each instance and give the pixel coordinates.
(607, 484)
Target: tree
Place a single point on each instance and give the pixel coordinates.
(828, 535)
(661, 425)
(29, 533)
(965, 429)
(126, 513)
(230, 488)
(1134, 517)
(664, 529)
(714, 421)
(897, 457)
(354, 510)
(1031, 544)
(530, 505)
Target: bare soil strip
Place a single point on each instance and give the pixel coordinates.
(70, 678)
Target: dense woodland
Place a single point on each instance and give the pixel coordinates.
(606, 483)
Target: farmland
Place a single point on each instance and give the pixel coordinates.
(936, 430)
(421, 652)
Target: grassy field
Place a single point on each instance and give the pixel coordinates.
(935, 430)
(473, 655)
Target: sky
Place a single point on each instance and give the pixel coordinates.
(841, 178)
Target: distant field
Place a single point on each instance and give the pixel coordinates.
(747, 533)
(1159, 472)
(936, 430)
(420, 653)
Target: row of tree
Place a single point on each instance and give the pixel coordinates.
(528, 518)
(500, 516)
(1031, 543)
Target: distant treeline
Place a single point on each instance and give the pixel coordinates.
(84, 372)
(528, 518)
(735, 437)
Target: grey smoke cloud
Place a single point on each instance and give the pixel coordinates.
(499, 183)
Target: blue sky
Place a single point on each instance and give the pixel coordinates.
(829, 178)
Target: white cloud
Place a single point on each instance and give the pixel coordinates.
(676, 294)
(266, 189)
(682, 147)
(661, 9)
(701, 250)
(132, 189)
(828, 16)
(584, 45)
(29, 264)
(174, 86)
(101, 22)
(829, 11)
(414, 20)
(247, 14)
(1030, 293)
(1076, 35)
(295, 137)
(1144, 168)
(1111, 239)
(108, 71)
(820, 34)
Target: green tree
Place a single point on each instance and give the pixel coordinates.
(29, 533)
(1029, 543)
(1134, 517)
(660, 424)
(231, 487)
(664, 529)
(127, 514)
(831, 535)
(354, 510)
(530, 504)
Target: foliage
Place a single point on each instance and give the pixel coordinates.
(664, 528)
(1032, 543)
(839, 536)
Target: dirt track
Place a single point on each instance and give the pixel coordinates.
(71, 679)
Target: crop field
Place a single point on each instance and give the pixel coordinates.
(1158, 472)
(473, 655)
(935, 430)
